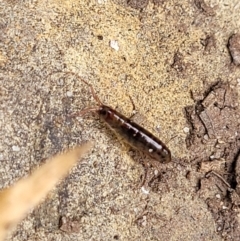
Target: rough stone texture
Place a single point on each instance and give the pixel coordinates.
(234, 48)
(170, 57)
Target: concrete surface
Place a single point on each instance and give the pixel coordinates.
(158, 52)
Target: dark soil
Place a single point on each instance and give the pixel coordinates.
(214, 142)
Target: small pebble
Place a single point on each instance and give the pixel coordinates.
(114, 45)
(102, 1)
(69, 94)
(205, 137)
(238, 80)
(186, 129)
(218, 196)
(144, 223)
(144, 190)
(15, 148)
(60, 81)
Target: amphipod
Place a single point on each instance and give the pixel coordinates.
(132, 133)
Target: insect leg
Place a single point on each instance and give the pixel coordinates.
(134, 108)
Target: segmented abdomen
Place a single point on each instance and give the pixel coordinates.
(135, 135)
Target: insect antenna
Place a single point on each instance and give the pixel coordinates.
(85, 111)
(88, 109)
(171, 139)
(91, 87)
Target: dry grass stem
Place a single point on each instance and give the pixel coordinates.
(17, 200)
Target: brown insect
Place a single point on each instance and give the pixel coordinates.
(132, 133)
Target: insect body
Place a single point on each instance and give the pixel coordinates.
(135, 135)
(131, 133)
